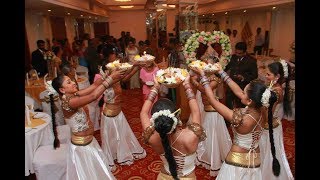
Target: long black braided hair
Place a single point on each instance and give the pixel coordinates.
(163, 125)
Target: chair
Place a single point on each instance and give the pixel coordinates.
(46, 107)
(49, 163)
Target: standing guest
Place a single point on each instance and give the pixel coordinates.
(85, 160)
(131, 52)
(57, 61)
(37, 59)
(277, 74)
(146, 76)
(258, 42)
(242, 69)
(174, 141)
(117, 137)
(212, 151)
(243, 161)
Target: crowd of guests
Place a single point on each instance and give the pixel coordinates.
(252, 109)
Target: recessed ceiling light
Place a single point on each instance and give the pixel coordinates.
(49, 10)
(203, 15)
(171, 5)
(126, 7)
(212, 14)
(273, 7)
(68, 13)
(81, 15)
(89, 17)
(226, 13)
(244, 11)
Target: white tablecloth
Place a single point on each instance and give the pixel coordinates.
(39, 136)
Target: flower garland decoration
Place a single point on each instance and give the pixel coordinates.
(168, 114)
(285, 68)
(208, 38)
(265, 97)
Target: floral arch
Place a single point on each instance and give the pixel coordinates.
(208, 38)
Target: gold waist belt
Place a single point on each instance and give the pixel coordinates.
(242, 159)
(209, 108)
(163, 176)
(275, 123)
(111, 110)
(81, 140)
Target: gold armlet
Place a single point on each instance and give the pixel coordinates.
(237, 117)
(147, 133)
(198, 131)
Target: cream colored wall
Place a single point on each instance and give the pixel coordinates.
(132, 21)
(282, 31)
(37, 27)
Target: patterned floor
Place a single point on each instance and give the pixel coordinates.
(149, 167)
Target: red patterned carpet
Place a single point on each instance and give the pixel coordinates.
(149, 167)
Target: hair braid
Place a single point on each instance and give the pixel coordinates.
(56, 142)
(169, 155)
(275, 162)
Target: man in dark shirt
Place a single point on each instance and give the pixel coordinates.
(37, 59)
(242, 69)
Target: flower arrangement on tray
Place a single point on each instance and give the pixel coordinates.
(208, 38)
(117, 64)
(171, 77)
(207, 68)
(144, 57)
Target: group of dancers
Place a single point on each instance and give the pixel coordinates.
(256, 151)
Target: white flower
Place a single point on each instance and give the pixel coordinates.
(285, 68)
(265, 97)
(168, 114)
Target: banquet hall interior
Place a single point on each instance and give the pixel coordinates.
(73, 32)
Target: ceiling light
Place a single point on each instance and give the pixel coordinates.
(68, 13)
(226, 13)
(123, 0)
(89, 17)
(172, 6)
(159, 10)
(212, 14)
(273, 7)
(49, 10)
(244, 11)
(126, 7)
(81, 15)
(203, 15)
